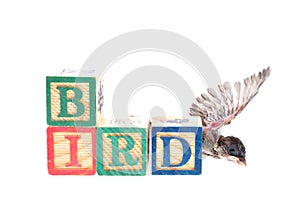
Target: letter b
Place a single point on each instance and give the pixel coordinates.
(64, 100)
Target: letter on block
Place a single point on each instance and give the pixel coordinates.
(71, 151)
(121, 151)
(176, 150)
(71, 101)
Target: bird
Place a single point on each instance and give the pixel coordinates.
(218, 108)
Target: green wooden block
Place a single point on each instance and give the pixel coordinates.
(121, 150)
(71, 101)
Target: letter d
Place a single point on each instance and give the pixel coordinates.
(185, 149)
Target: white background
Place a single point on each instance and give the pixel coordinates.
(39, 38)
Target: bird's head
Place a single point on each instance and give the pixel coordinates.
(232, 149)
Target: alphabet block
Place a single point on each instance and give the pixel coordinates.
(71, 101)
(121, 150)
(176, 147)
(71, 151)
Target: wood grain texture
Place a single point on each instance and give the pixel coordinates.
(174, 164)
(128, 145)
(71, 151)
(176, 150)
(86, 86)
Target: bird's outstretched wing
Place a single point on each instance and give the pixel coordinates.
(216, 112)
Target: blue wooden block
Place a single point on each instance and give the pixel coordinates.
(176, 150)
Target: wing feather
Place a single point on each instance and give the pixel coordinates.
(218, 109)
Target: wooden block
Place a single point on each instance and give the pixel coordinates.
(71, 98)
(71, 151)
(121, 150)
(176, 147)
(71, 101)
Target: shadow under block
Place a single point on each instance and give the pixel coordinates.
(176, 150)
(71, 151)
(71, 101)
(121, 151)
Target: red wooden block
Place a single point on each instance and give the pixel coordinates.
(71, 151)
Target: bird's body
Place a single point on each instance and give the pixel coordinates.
(219, 109)
(210, 138)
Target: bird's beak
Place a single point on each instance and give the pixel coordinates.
(241, 161)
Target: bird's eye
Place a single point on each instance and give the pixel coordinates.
(232, 151)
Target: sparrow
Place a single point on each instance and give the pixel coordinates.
(219, 109)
